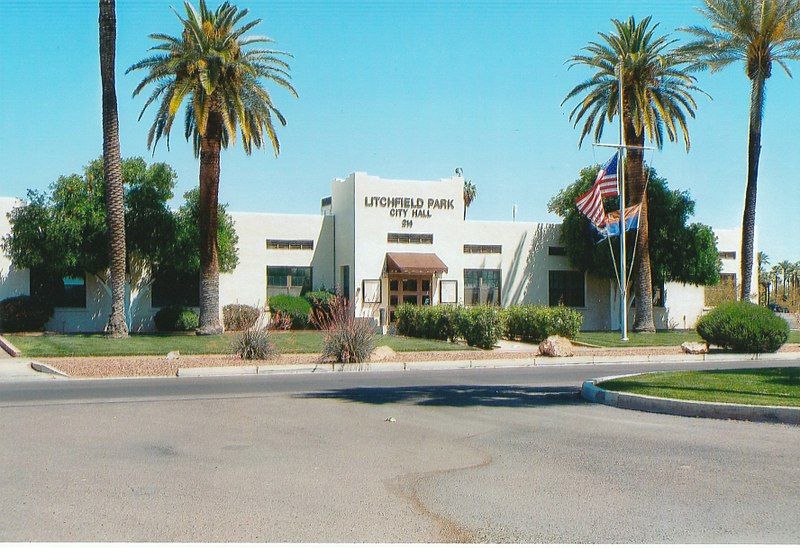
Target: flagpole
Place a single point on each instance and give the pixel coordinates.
(623, 152)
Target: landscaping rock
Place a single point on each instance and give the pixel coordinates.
(174, 355)
(382, 353)
(556, 347)
(694, 347)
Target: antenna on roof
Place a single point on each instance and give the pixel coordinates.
(514, 212)
(459, 172)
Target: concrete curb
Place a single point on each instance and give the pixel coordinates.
(49, 369)
(687, 408)
(472, 364)
(10, 349)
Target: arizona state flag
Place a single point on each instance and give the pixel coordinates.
(610, 226)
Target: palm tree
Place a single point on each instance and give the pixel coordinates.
(213, 68)
(112, 171)
(758, 33)
(657, 97)
(470, 193)
(765, 280)
(762, 260)
(786, 268)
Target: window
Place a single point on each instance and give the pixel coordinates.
(172, 288)
(725, 290)
(400, 238)
(290, 244)
(659, 296)
(288, 280)
(481, 286)
(66, 292)
(567, 288)
(345, 277)
(481, 248)
(556, 250)
(727, 254)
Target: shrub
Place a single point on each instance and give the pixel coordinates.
(254, 344)
(347, 339)
(239, 317)
(24, 313)
(319, 301)
(176, 318)
(480, 326)
(743, 327)
(535, 323)
(428, 322)
(297, 308)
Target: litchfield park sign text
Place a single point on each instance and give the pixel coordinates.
(405, 207)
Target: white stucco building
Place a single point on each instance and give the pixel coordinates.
(384, 242)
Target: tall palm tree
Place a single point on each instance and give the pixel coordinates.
(757, 33)
(657, 99)
(762, 260)
(470, 193)
(786, 268)
(112, 171)
(213, 68)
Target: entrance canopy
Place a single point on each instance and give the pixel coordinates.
(414, 263)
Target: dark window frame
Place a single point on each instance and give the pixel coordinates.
(469, 289)
(61, 299)
(273, 243)
(483, 248)
(564, 295)
(409, 238)
(290, 288)
(557, 250)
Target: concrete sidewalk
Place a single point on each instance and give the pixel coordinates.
(21, 369)
(781, 358)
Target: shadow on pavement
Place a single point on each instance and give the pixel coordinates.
(457, 395)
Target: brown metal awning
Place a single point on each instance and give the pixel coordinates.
(414, 263)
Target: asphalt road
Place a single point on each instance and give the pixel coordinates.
(473, 455)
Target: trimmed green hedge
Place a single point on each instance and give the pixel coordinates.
(428, 322)
(743, 327)
(176, 318)
(297, 308)
(533, 323)
(480, 326)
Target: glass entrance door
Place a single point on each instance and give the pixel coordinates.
(405, 289)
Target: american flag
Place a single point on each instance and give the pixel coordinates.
(607, 178)
(590, 203)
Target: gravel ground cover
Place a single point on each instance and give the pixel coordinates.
(144, 366)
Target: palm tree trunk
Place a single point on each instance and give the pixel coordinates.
(209, 200)
(636, 180)
(749, 215)
(112, 171)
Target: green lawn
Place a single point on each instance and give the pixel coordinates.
(288, 342)
(661, 338)
(769, 386)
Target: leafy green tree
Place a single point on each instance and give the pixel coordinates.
(757, 33)
(63, 232)
(212, 68)
(657, 99)
(679, 251)
(117, 327)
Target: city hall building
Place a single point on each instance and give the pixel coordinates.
(385, 242)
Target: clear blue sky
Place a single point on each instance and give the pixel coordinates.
(400, 90)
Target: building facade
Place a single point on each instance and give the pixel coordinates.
(386, 242)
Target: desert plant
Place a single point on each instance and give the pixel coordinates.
(346, 339)
(175, 318)
(254, 344)
(742, 326)
(297, 308)
(319, 301)
(24, 313)
(239, 317)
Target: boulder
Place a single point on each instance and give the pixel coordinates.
(174, 355)
(556, 346)
(694, 347)
(382, 354)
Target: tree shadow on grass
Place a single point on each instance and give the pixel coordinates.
(456, 395)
